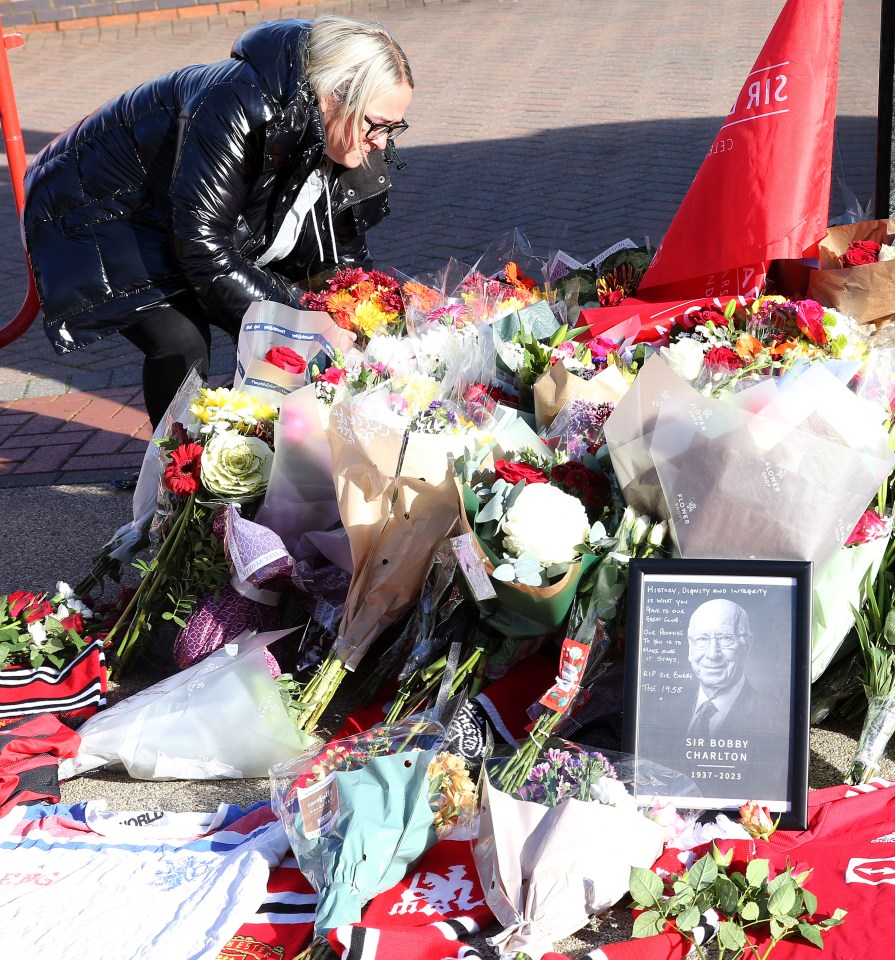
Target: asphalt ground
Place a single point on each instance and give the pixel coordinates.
(579, 122)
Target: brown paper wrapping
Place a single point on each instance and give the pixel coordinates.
(557, 386)
(866, 293)
(391, 554)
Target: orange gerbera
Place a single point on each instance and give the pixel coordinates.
(419, 295)
(784, 347)
(516, 278)
(341, 306)
(363, 290)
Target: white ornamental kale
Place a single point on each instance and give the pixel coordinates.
(236, 466)
(547, 522)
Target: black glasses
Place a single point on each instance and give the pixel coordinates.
(391, 130)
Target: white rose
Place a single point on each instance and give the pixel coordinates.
(38, 633)
(547, 522)
(886, 252)
(684, 356)
(236, 466)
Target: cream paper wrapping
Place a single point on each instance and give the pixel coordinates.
(557, 386)
(545, 870)
(781, 470)
(391, 549)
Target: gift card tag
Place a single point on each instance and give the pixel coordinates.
(626, 244)
(560, 265)
(318, 806)
(473, 568)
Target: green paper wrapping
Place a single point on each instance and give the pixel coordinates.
(518, 610)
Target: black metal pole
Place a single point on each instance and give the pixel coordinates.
(885, 169)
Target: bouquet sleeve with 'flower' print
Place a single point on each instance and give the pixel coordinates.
(277, 346)
(856, 271)
(742, 473)
(360, 810)
(561, 848)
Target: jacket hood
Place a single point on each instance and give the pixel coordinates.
(276, 51)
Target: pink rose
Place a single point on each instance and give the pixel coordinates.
(871, 526)
(757, 820)
(809, 319)
(333, 375)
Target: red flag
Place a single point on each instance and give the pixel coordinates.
(763, 191)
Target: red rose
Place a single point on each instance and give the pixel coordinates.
(286, 359)
(722, 360)
(182, 473)
(809, 319)
(40, 611)
(702, 316)
(611, 298)
(514, 472)
(19, 600)
(333, 375)
(860, 253)
(74, 621)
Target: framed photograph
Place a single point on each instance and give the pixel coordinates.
(718, 679)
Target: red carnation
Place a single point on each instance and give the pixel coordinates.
(701, 317)
(19, 600)
(286, 359)
(722, 360)
(74, 621)
(182, 473)
(860, 253)
(514, 472)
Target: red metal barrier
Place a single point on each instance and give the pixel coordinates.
(15, 155)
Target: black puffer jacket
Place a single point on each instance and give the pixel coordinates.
(179, 183)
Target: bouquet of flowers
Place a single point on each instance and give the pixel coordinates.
(222, 456)
(51, 655)
(730, 473)
(856, 271)
(279, 347)
(560, 848)
(719, 351)
(362, 301)
(360, 810)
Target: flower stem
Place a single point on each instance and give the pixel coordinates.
(520, 765)
(316, 696)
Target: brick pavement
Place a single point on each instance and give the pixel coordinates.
(577, 121)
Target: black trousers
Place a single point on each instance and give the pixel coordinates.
(173, 337)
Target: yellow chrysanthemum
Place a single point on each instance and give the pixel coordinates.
(418, 391)
(237, 409)
(368, 318)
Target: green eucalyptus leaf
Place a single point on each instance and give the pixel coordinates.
(811, 934)
(645, 887)
(526, 564)
(506, 573)
(493, 510)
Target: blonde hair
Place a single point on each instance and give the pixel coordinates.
(350, 63)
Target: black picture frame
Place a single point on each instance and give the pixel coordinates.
(760, 750)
